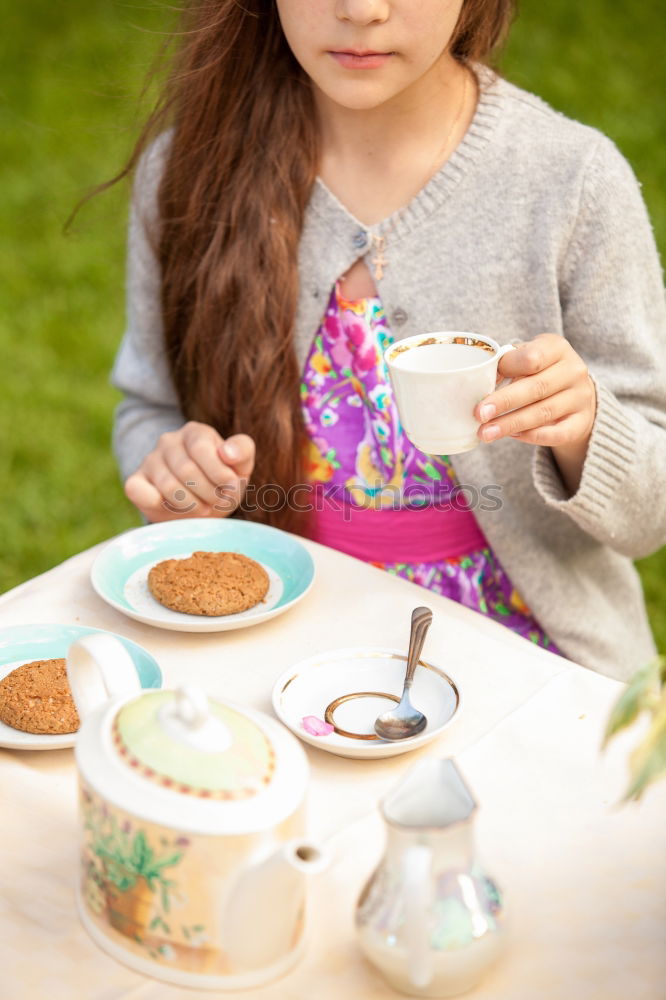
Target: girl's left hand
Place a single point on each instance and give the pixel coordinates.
(552, 400)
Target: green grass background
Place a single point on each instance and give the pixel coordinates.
(69, 78)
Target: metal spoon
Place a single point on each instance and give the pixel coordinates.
(404, 720)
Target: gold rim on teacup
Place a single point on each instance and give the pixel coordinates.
(465, 339)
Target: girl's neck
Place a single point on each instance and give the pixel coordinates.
(375, 161)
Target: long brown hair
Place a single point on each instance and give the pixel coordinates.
(241, 162)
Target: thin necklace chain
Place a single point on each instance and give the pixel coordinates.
(380, 261)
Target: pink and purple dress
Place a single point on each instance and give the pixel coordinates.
(379, 498)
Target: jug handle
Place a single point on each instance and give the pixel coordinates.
(416, 874)
(99, 668)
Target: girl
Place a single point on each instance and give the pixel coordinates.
(324, 177)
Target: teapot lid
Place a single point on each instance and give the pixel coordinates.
(194, 746)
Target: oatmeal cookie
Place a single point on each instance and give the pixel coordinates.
(36, 698)
(209, 583)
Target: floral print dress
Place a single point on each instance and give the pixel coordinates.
(357, 451)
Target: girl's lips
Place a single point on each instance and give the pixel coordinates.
(366, 60)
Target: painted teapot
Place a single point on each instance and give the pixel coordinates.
(193, 859)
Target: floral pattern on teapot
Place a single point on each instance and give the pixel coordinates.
(155, 890)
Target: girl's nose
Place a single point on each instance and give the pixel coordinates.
(362, 11)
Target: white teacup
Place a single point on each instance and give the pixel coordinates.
(438, 379)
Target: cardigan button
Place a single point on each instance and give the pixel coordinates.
(399, 316)
(360, 239)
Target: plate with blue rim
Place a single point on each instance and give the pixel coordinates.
(21, 644)
(120, 572)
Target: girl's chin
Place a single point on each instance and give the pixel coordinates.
(357, 97)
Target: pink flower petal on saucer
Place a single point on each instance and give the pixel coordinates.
(316, 727)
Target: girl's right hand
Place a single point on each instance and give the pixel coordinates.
(193, 472)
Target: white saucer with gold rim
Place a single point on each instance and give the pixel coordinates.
(331, 700)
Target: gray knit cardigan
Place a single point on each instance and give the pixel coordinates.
(535, 224)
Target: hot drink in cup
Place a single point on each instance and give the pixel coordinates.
(438, 379)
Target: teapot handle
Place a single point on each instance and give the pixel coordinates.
(99, 668)
(416, 873)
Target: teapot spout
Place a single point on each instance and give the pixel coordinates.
(265, 912)
(303, 856)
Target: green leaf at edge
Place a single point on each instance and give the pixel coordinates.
(632, 701)
(648, 761)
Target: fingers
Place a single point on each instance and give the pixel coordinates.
(562, 432)
(533, 356)
(239, 451)
(192, 472)
(524, 391)
(199, 453)
(141, 492)
(156, 508)
(552, 399)
(190, 459)
(538, 415)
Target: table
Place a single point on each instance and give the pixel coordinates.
(583, 878)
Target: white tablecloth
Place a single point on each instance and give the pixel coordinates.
(584, 879)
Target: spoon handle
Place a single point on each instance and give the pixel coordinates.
(421, 619)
